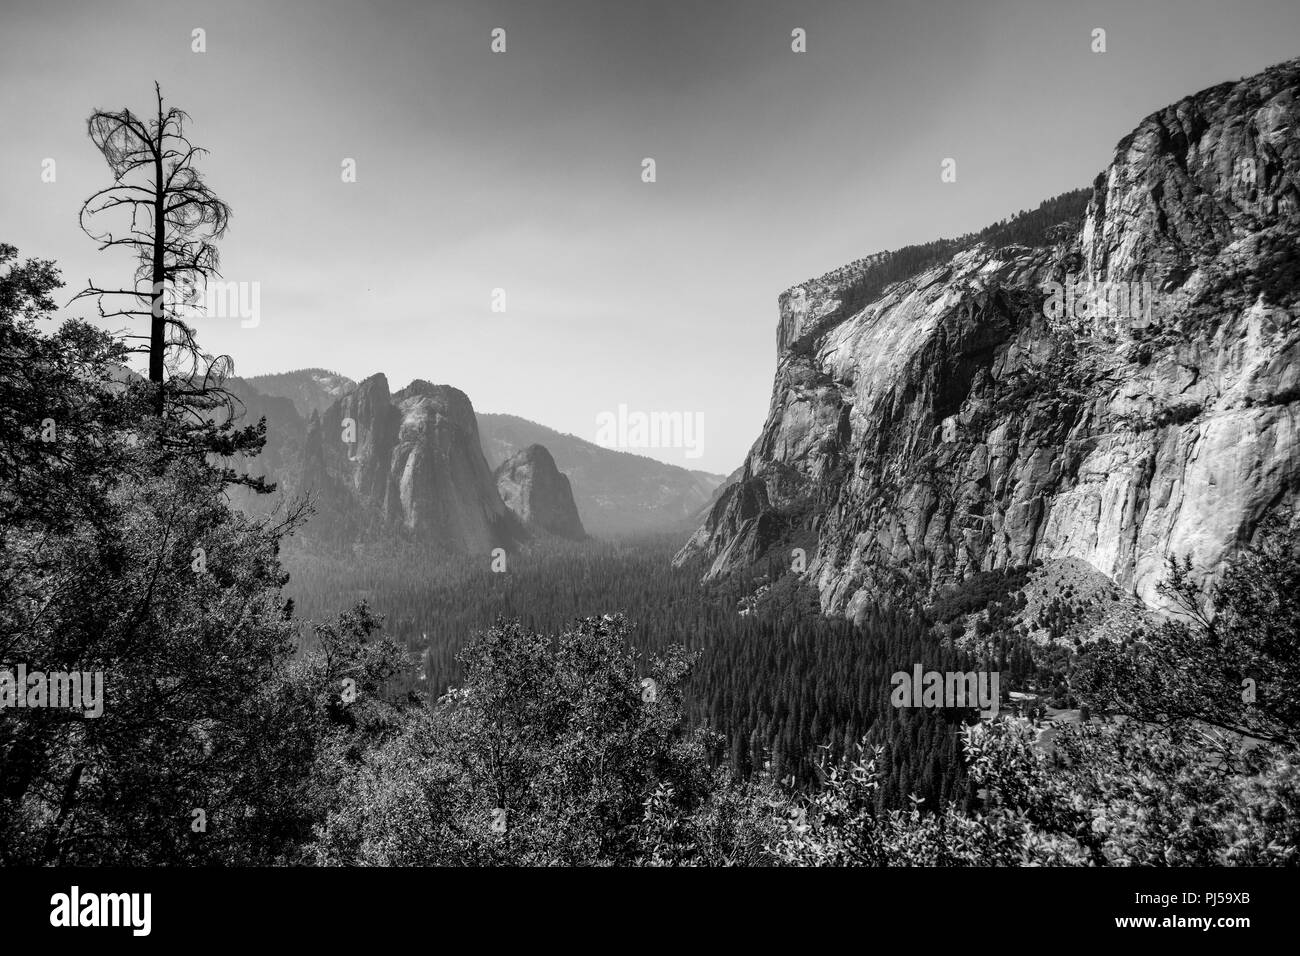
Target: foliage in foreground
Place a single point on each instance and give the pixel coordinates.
(220, 743)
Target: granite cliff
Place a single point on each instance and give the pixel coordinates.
(616, 493)
(416, 462)
(408, 462)
(1114, 378)
(539, 495)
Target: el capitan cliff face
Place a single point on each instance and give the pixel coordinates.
(951, 425)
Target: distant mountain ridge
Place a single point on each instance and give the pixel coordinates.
(310, 389)
(615, 493)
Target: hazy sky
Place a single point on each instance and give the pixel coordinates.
(522, 170)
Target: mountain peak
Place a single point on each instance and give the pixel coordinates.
(310, 389)
(539, 494)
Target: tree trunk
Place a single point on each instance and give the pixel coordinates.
(158, 322)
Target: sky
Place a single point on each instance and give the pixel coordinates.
(522, 170)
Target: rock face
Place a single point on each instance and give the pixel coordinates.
(538, 494)
(285, 429)
(412, 461)
(987, 411)
(617, 493)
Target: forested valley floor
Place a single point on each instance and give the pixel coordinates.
(782, 686)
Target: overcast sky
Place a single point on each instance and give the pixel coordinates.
(522, 170)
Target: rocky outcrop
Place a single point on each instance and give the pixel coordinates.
(338, 516)
(413, 462)
(617, 493)
(989, 410)
(538, 494)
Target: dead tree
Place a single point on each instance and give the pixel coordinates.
(162, 210)
(170, 218)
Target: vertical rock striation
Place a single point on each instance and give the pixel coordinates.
(417, 466)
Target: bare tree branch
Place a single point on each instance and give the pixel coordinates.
(174, 219)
